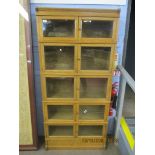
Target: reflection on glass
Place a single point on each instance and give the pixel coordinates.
(60, 130)
(97, 29)
(58, 28)
(60, 87)
(91, 112)
(60, 112)
(90, 130)
(59, 57)
(95, 58)
(93, 87)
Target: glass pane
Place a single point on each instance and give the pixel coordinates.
(97, 29)
(90, 130)
(60, 112)
(90, 112)
(58, 28)
(59, 57)
(60, 87)
(60, 130)
(95, 58)
(93, 87)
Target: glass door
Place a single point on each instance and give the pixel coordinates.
(60, 112)
(95, 59)
(59, 88)
(98, 29)
(90, 130)
(60, 130)
(93, 88)
(58, 58)
(91, 112)
(54, 28)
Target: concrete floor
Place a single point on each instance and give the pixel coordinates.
(129, 108)
(129, 103)
(111, 150)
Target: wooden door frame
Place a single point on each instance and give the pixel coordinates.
(56, 39)
(29, 55)
(61, 72)
(111, 40)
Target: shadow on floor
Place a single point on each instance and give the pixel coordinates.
(111, 150)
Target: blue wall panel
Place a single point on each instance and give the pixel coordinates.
(121, 35)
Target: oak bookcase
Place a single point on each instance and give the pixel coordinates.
(76, 49)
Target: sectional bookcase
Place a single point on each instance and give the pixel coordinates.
(76, 49)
